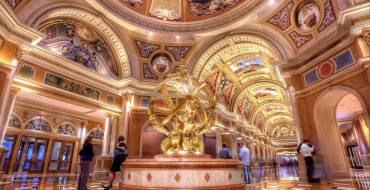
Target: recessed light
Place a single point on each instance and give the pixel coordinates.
(271, 2)
(150, 33)
(177, 37)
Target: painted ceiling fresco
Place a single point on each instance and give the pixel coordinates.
(244, 80)
(81, 44)
(301, 22)
(181, 10)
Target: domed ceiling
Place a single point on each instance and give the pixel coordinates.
(177, 15)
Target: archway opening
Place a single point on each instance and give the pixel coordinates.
(328, 111)
(354, 131)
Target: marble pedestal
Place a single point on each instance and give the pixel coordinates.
(182, 172)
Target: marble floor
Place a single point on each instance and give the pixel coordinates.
(285, 178)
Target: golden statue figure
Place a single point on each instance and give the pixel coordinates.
(183, 111)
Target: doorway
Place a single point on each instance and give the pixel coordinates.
(31, 155)
(150, 142)
(326, 116)
(61, 157)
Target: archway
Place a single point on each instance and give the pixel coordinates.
(325, 118)
(150, 142)
(354, 131)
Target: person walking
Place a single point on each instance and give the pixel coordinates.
(244, 156)
(307, 151)
(86, 158)
(120, 155)
(224, 153)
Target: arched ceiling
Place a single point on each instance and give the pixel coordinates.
(239, 70)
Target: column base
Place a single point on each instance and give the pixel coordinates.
(102, 165)
(182, 172)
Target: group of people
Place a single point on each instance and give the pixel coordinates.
(306, 149)
(244, 156)
(120, 154)
(87, 157)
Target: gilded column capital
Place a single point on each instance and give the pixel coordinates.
(15, 90)
(289, 81)
(365, 34)
(127, 96)
(21, 51)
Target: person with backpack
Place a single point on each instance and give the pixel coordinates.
(86, 158)
(120, 155)
(307, 151)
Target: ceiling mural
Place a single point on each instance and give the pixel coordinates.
(79, 43)
(194, 15)
(301, 22)
(180, 10)
(284, 131)
(243, 79)
(158, 60)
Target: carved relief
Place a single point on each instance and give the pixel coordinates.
(81, 44)
(66, 129)
(97, 134)
(39, 125)
(133, 2)
(166, 9)
(205, 7)
(14, 121)
(71, 86)
(366, 35)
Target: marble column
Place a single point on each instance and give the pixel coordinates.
(113, 137)
(297, 122)
(218, 141)
(9, 104)
(124, 117)
(83, 133)
(105, 147)
(7, 97)
(252, 150)
(234, 147)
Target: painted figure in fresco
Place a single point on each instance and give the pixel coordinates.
(202, 7)
(79, 43)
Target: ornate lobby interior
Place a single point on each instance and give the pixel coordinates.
(267, 73)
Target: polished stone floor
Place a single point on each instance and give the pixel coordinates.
(267, 179)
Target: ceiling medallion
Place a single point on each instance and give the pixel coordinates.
(326, 69)
(308, 16)
(161, 63)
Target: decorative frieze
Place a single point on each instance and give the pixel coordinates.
(71, 86)
(329, 67)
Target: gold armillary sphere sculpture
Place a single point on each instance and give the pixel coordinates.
(183, 111)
